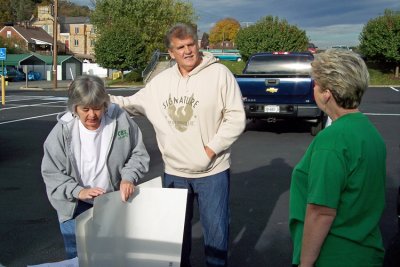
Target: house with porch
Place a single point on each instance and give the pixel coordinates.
(32, 39)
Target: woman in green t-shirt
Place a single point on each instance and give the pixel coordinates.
(337, 193)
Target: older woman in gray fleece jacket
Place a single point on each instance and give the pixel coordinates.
(94, 148)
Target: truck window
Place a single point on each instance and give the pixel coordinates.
(280, 65)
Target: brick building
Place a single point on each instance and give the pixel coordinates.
(75, 35)
(28, 38)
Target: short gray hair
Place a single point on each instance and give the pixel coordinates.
(87, 90)
(342, 72)
(180, 31)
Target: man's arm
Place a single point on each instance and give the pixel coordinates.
(234, 117)
(132, 104)
(317, 224)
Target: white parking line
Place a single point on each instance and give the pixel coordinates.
(397, 90)
(56, 98)
(14, 98)
(23, 99)
(382, 114)
(53, 106)
(28, 96)
(30, 118)
(33, 105)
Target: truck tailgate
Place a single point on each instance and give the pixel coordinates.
(273, 90)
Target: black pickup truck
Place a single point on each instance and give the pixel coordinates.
(279, 86)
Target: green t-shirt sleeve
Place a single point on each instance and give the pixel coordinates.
(326, 178)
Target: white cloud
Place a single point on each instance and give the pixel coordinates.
(340, 34)
(326, 22)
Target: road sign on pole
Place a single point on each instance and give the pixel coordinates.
(3, 56)
(3, 53)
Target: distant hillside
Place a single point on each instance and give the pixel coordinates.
(69, 9)
(13, 11)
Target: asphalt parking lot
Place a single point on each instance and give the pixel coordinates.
(262, 161)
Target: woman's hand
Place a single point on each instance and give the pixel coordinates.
(90, 193)
(126, 188)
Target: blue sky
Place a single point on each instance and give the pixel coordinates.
(326, 22)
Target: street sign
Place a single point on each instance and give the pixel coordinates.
(3, 53)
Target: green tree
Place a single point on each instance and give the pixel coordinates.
(22, 9)
(204, 40)
(6, 14)
(271, 34)
(120, 48)
(69, 9)
(151, 18)
(380, 39)
(224, 30)
(13, 46)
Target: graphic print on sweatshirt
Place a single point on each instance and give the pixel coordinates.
(180, 111)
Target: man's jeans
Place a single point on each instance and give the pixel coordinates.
(212, 194)
(68, 230)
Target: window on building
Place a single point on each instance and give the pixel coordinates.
(43, 10)
(76, 42)
(92, 42)
(47, 29)
(8, 34)
(92, 30)
(76, 29)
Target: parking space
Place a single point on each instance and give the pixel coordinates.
(262, 162)
(27, 107)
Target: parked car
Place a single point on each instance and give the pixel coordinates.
(228, 56)
(345, 47)
(312, 48)
(12, 74)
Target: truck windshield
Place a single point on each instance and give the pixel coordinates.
(280, 65)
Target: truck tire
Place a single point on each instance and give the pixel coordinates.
(316, 128)
(319, 125)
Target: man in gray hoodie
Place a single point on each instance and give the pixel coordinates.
(197, 112)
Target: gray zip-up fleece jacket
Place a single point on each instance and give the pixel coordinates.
(127, 158)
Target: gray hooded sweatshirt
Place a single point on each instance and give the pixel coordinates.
(127, 158)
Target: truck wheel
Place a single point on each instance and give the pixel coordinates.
(316, 128)
(319, 125)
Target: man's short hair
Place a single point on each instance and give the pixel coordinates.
(180, 31)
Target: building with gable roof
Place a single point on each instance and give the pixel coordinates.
(28, 38)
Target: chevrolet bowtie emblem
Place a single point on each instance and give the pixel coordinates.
(272, 90)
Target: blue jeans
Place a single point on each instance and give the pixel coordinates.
(212, 194)
(68, 230)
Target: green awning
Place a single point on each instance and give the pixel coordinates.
(49, 59)
(22, 59)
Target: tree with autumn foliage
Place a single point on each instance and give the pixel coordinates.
(224, 30)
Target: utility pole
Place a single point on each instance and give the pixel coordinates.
(223, 39)
(55, 16)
